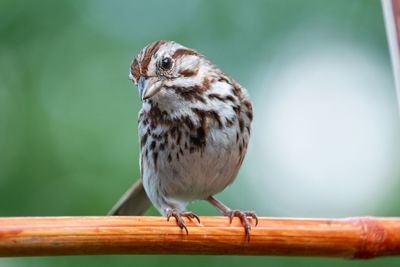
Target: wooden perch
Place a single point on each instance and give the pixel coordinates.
(360, 238)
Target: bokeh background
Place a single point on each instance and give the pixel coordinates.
(326, 132)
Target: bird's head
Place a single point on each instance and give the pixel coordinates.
(164, 64)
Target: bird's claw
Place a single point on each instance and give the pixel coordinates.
(244, 219)
(178, 215)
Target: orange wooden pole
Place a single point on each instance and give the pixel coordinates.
(361, 238)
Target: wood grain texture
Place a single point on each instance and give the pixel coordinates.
(361, 237)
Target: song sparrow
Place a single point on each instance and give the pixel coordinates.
(194, 128)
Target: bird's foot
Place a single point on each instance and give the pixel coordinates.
(244, 219)
(178, 215)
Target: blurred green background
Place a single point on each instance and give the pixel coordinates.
(326, 132)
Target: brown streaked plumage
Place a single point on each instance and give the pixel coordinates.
(152, 49)
(188, 72)
(180, 52)
(194, 128)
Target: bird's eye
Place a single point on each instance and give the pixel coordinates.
(166, 63)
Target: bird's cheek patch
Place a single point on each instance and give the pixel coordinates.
(188, 66)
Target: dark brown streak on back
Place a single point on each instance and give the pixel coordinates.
(222, 98)
(249, 109)
(247, 104)
(237, 91)
(216, 96)
(150, 51)
(230, 98)
(224, 79)
(241, 125)
(237, 109)
(206, 83)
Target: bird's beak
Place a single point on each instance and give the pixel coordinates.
(148, 87)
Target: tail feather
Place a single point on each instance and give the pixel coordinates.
(133, 202)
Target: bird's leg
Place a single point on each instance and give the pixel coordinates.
(242, 215)
(178, 217)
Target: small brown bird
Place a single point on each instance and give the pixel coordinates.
(194, 127)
